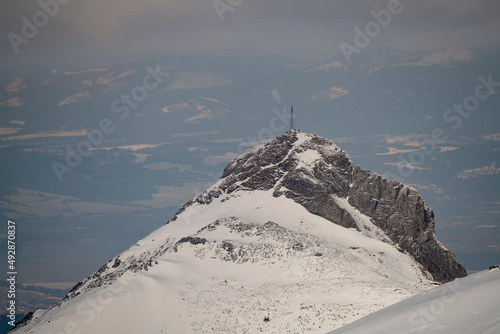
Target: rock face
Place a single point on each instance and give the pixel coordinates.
(314, 172)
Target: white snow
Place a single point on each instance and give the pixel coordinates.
(307, 159)
(469, 305)
(364, 222)
(333, 277)
(301, 138)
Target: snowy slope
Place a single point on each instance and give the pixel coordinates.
(231, 259)
(469, 305)
(307, 274)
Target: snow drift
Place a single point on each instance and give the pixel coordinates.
(467, 305)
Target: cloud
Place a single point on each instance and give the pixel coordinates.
(137, 147)
(176, 107)
(13, 102)
(393, 150)
(276, 95)
(9, 131)
(443, 58)
(495, 136)
(329, 67)
(332, 66)
(485, 170)
(205, 114)
(106, 79)
(330, 94)
(447, 148)
(308, 29)
(47, 134)
(202, 111)
(212, 99)
(402, 164)
(75, 98)
(406, 140)
(85, 71)
(16, 85)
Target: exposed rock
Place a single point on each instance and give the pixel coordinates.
(24, 321)
(192, 240)
(315, 173)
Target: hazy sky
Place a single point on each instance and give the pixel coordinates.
(112, 29)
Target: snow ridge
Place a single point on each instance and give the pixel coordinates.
(467, 305)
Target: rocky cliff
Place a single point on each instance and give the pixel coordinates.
(314, 172)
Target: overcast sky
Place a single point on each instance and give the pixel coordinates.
(105, 29)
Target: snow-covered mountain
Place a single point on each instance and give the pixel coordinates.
(467, 306)
(293, 238)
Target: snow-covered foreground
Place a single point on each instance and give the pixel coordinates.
(469, 305)
(248, 256)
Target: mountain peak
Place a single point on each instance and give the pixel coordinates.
(317, 174)
(273, 165)
(293, 233)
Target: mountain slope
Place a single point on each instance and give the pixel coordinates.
(317, 174)
(258, 252)
(228, 266)
(468, 306)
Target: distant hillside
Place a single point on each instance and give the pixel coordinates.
(28, 300)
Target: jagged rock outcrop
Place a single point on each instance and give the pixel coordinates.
(316, 173)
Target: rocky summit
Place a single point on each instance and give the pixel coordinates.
(292, 239)
(317, 174)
